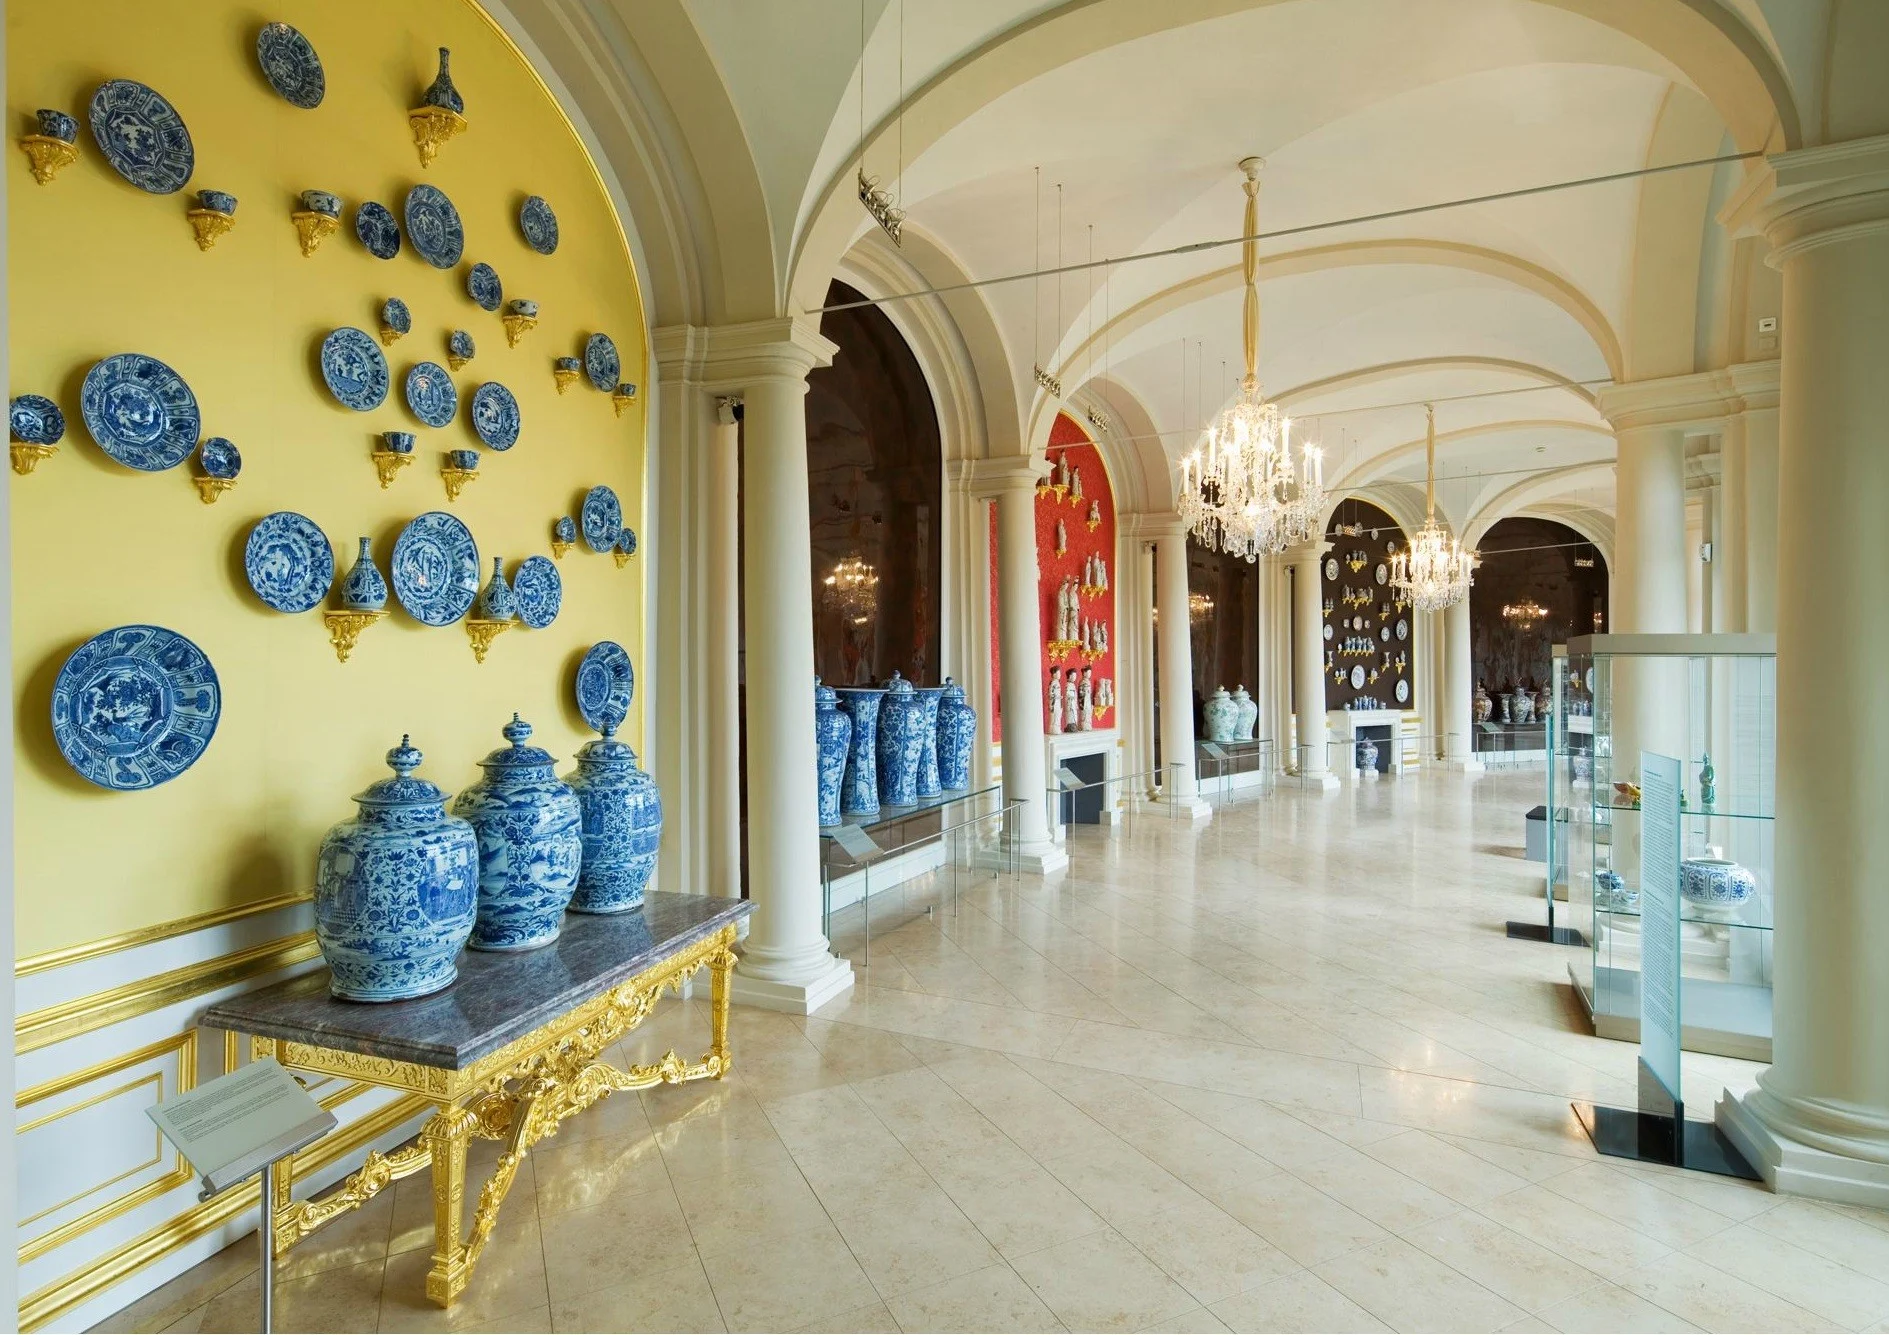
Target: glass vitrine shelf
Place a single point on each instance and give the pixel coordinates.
(1701, 699)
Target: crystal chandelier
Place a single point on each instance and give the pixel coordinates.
(852, 589)
(1437, 570)
(1527, 612)
(1241, 494)
(1199, 607)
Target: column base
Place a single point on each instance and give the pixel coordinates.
(1190, 809)
(1459, 765)
(1042, 859)
(1793, 1167)
(799, 996)
(1325, 782)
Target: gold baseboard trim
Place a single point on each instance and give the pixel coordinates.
(62, 1295)
(163, 931)
(54, 1024)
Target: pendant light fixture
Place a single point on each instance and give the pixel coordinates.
(1241, 494)
(1437, 570)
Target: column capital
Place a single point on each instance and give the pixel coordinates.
(1675, 402)
(987, 479)
(1143, 525)
(1305, 552)
(1813, 196)
(726, 359)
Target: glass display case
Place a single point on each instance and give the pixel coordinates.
(1709, 701)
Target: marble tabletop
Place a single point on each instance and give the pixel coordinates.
(498, 995)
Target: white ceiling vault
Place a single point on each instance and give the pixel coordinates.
(1140, 111)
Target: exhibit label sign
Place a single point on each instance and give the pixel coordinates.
(1659, 918)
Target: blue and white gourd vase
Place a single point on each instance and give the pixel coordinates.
(621, 823)
(1247, 716)
(859, 788)
(1221, 715)
(395, 889)
(929, 698)
(901, 743)
(364, 590)
(531, 845)
(957, 734)
(833, 737)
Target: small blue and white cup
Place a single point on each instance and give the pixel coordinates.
(219, 458)
(465, 460)
(217, 201)
(521, 306)
(398, 442)
(55, 124)
(321, 201)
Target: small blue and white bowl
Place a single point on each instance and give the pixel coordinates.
(217, 201)
(56, 124)
(626, 541)
(523, 306)
(321, 201)
(395, 315)
(397, 442)
(218, 457)
(565, 530)
(34, 419)
(463, 459)
(569, 364)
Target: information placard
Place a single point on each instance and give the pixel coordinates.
(1659, 918)
(1068, 778)
(1213, 750)
(859, 845)
(235, 1124)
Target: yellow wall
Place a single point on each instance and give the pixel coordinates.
(99, 267)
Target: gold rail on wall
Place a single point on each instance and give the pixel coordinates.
(54, 1024)
(163, 931)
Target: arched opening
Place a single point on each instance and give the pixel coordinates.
(1539, 583)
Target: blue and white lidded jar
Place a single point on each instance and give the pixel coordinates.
(833, 736)
(957, 734)
(901, 721)
(622, 826)
(531, 847)
(395, 889)
(1221, 715)
(859, 788)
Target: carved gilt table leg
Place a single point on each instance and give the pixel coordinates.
(721, 975)
(445, 1136)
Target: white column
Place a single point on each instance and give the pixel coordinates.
(1020, 657)
(1308, 663)
(1757, 384)
(1459, 693)
(1647, 595)
(1144, 612)
(1134, 655)
(1818, 1122)
(786, 963)
(1179, 786)
(1730, 545)
(722, 701)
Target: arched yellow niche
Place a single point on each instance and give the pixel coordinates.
(98, 267)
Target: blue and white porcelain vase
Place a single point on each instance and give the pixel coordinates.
(1247, 716)
(833, 737)
(441, 92)
(901, 723)
(957, 734)
(531, 844)
(1715, 882)
(622, 826)
(364, 590)
(1367, 756)
(929, 698)
(1221, 715)
(859, 788)
(395, 889)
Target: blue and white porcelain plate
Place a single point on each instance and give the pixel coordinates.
(601, 362)
(35, 419)
(374, 224)
(539, 224)
(356, 372)
(606, 683)
(538, 590)
(290, 65)
(601, 519)
(435, 570)
(431, 394)
(433, 226)
(495, 415)
(142, 136)
(483, 286)
(140, 412)
(218, 457)
(135, 706)
(289, 562)
(395, 315)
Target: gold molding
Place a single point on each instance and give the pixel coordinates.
(54, 1024)
(163, 931)
(62, 1295)
(184, 1046)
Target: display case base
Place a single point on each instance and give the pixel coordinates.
(1623, 1133)
(1537, 931)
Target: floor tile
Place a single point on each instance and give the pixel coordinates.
(1298, 1302)
(1411, 1291)
(1206, 1251)
(993, 1299)
(1833, 1291)
(916, 1243)
(671, 1298)
(1503, 1261)
(586, 1249)
(1102, 1283)
(796, 1278)
(1714, 1300)
(1607, 1309)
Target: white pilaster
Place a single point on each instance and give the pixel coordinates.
(1757, 386)
(1313, 761)
(1818, 1122)
(1180, 788)
(722, 670)
(1459, 672)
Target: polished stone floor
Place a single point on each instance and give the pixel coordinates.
(1282, 1071)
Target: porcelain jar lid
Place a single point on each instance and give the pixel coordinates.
(898, 685)
(824, 694)
(606, 753)
(517, 756)
(952, 691)
(403, 790)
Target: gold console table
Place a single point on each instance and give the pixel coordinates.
(506, 1053)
